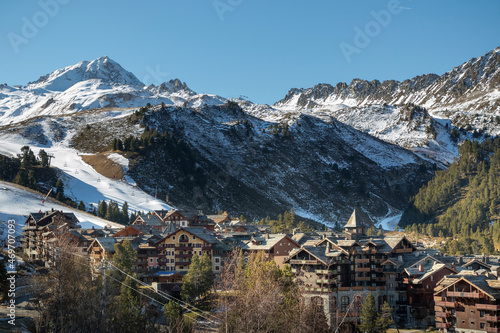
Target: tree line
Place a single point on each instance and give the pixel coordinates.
(33, 171)
(285, 222)
(461, 202)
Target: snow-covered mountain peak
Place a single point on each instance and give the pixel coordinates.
(170, 87)
(103, 68)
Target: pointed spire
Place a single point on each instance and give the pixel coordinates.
(355, 221)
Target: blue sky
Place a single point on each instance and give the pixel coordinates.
(254, 48)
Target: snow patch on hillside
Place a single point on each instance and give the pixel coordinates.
(80, 180)
(16, 203)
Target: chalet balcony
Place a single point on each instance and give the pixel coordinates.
(183, 248)
(362, 269)
(316, 290)
(493, 307)
(378, 261)
(407, 250)
(380, 279)
(183, 255)
(443, 325)
(304, 262)
(183, 240)
(446, 304)
(493, 329)
(325, 281)
(326, 271)
(389, 270)
(492, 318)
(184, 263)
(361, 261)
(379, 270)
(464, 294)
(362, 278)
(442, 314)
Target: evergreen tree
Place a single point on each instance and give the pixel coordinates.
(59, 190)
(81, 205)
(174, 318)
(125, 217)
(32, 180)
(199, 278)
(4, 283)
(44, 158)
(368, 315)
(384, 320)
(102, 209)
(21, 178)
(125, 256)
(130, 306)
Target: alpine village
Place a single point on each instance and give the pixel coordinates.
(365, 207)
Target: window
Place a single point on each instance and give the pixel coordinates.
(217, 268)
(201, 252)
(482, 325)
(472, 323)
(344, 303)
(173, 237)
(432, 277)
(172, 261)
(194, 237)
(481, 314)
(217, 260)
(150, 259)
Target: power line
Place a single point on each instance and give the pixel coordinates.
(168, 297)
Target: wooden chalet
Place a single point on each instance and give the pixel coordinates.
(176, 249)
(276, 246)
(467, 303)
(421, 281)
(39, 228)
